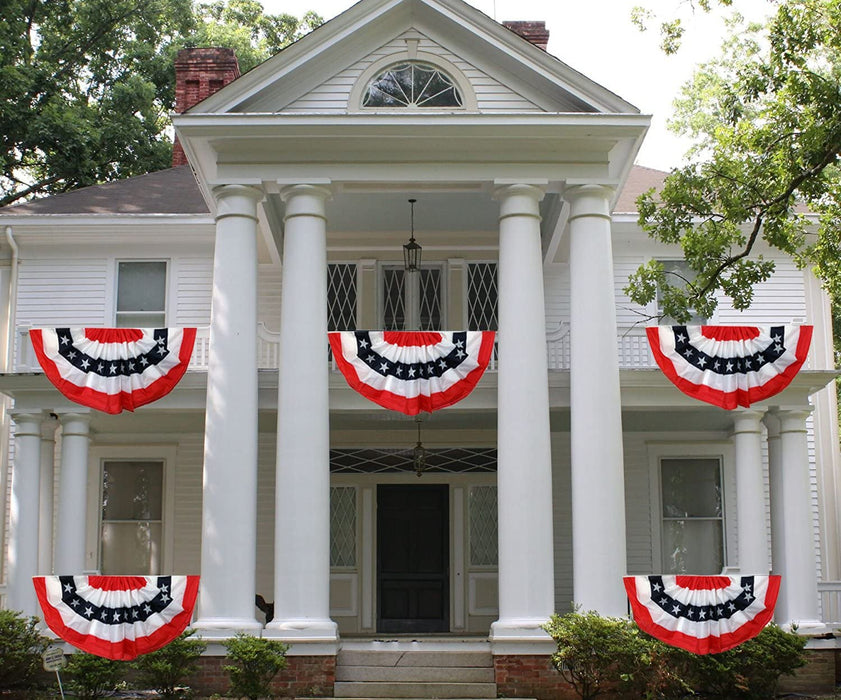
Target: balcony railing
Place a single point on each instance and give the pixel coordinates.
(631, 344)
(830, 594)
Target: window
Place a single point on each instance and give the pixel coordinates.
(412, 84)
(132, 517)
(692, 515)
(482, 297)
(342, 526)
(411, 301)
(341, 297)
(678, 274)
(141, 294)
(482, 509)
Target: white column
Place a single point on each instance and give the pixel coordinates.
(598, 474)
(23, 520)
(72, 494)
(524, 476)
(750, 498)
(229, 493)
(45, 500)
(791, 524)
(775, 482)
(302, 495)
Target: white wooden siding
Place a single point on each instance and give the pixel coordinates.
(193, 285)
(268, 296)
(186, 557)
(556, 294)
(562, 522)
(333, 94)
(638, 517)
(63, 291)
(265, 514)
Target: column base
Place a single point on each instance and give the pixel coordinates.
(214, 629)
(305, 637)
(523, 636)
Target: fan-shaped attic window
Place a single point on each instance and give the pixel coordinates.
(413, 85)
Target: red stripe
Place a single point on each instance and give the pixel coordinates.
(411, 339)
(730, 332)
(117, 583)
(114, 335)
(703, 583)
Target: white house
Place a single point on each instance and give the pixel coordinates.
(572, 463)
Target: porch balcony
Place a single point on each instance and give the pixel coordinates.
(631, 344)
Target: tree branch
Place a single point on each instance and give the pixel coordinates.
(20, 194)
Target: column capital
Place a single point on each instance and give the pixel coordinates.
(747, 420)
(588, 200)
(27, 422)
(305, 200)
(520, 199)
(74, 422)
(237, 200)
(792, 420)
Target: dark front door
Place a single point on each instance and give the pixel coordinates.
(413, 558)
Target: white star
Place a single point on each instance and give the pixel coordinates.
(459, 344)
(88, 611)
(731, 606)
(65, 339)
(144, 361)
(85, 363)
(657, 587)
(702, 614)
(131, 365)
(442, 364)
(676, 609)
(71, 354)
(104, 614)
(729, 366)
(134, 613)
(691, 612)
(717, 364)
(399, 371)
(702, 360)
(113, 369)
(749, 362)
(461, 354)
(165, 588)
(68, 587)
(411, 371)
(75, 603)
(100, 367)
(746, 587)
(681, 338)
(160, 349)
(384, 367)
(116, 616)
(147, 609)
(370, 359)
(363, 344)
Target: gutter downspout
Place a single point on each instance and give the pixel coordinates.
(5, 402)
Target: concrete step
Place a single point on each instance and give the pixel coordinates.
(352, 689)
(464, 659)
(416, 674)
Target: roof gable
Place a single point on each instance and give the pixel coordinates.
(494, 55)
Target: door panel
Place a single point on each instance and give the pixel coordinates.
(413, 558)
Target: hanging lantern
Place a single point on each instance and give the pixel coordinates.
(419, 453)
(412, 250)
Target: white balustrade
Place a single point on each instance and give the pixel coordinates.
(830, 595)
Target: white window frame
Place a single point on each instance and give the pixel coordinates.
(411, 290)
(714, 449)
(129, 453)
(115, 282)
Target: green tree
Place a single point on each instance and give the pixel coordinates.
(766, 120)
(86, 86)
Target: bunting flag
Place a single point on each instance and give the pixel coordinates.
(412, 372)
(118, 617)
(111, 369)
(702, 614)
(730, 366)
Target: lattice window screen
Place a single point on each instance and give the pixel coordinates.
(452, 460)
(482, 509)
(342, 526)
(430, 299)
(394, 299)
(482, 297)
(341, 297)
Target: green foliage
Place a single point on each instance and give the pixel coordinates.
(671, 28)
(595, 654)
(86, 86)
(256, 661)
(93, 677)
(167, 669)
(601, 655)
(21, 647)
(766, 121)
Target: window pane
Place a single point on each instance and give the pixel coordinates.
(132, 491)
(140, 319)
(693, 547)
(394, 315)
(131, 548)
(412, 85)
(141, 286)
(482, 297)
(678, 274)
(342, 526)
(691, 488)
(341, 297)
(430, 299)
(483, 526)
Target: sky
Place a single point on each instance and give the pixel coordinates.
(596, 38)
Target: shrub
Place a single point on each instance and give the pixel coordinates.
(752, 670)
(21, 647)
(167, 669)
(595, 654)
(256, 662)
(91, 676)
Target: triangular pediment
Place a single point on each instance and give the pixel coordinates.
(499, 70)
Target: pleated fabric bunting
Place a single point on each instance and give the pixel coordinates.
(118, 617)
(730, 366)
(114, 369)
(412, 372)
(702, 614)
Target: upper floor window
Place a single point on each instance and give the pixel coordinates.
(412, 300)
(341, 297)
(141, 294)
(482, 296)
(678, 274)
(412, 84)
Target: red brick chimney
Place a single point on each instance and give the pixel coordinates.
(532, 31)
(200, 72)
